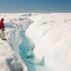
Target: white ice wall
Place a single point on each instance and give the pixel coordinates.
(51, 34)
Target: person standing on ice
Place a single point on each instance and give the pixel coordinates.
(2, 29)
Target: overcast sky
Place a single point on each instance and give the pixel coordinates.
(35, 6)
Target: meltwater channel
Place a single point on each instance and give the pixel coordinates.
(24, 46)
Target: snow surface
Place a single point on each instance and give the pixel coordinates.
(47, 37)
(51, 34)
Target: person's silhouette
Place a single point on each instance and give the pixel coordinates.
(2, 28)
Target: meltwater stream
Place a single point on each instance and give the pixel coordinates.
(25, 49)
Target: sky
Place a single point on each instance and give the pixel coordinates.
(35, 6)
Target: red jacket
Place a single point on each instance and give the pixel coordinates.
(2, 24)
